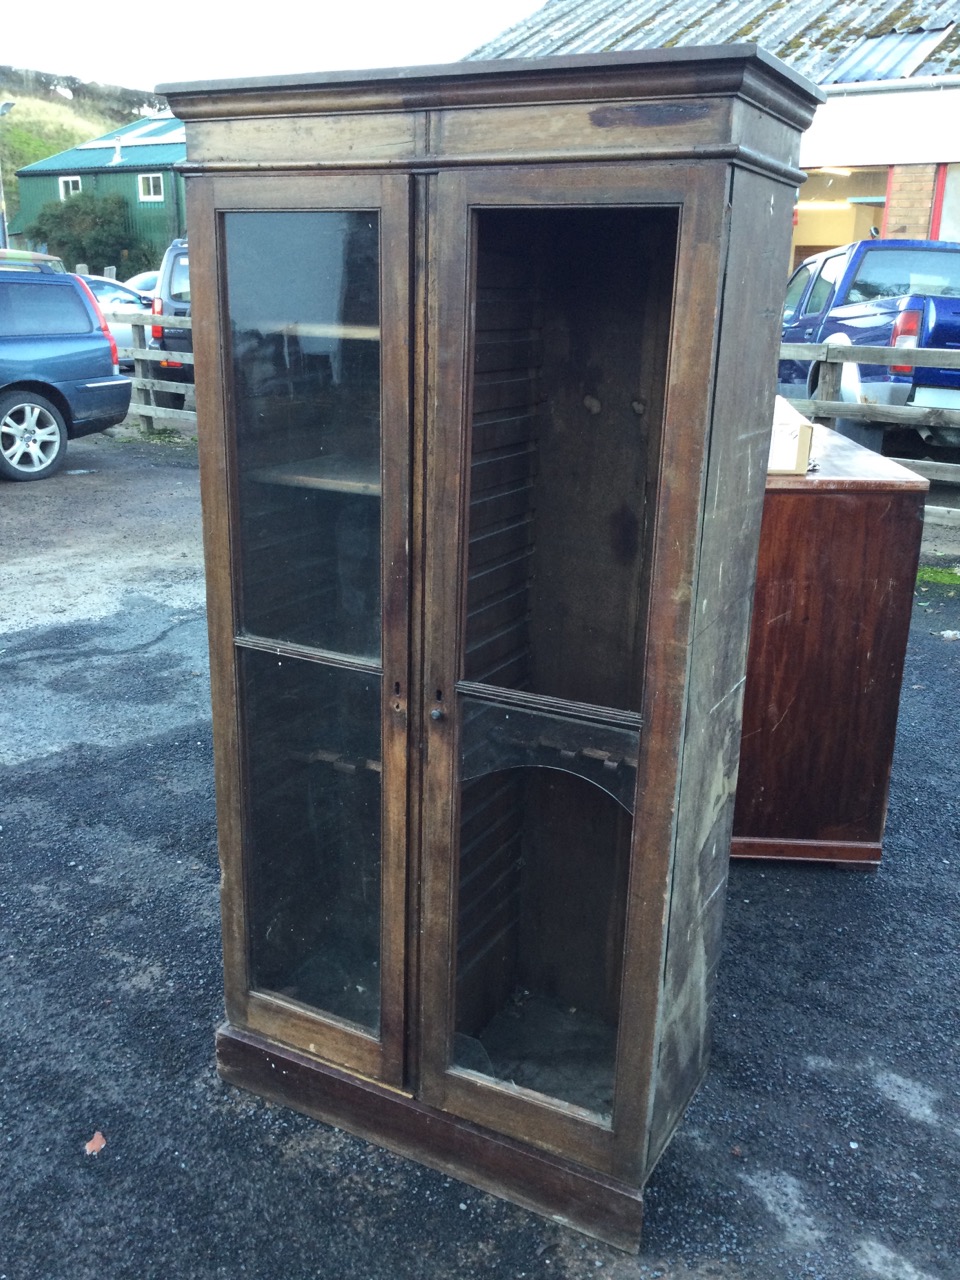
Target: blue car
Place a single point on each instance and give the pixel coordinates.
(59, 375)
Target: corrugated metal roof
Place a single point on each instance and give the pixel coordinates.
(887, 57)
(812, 36)
(142, 145)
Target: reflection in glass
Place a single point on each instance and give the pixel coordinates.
(314, 773)
(544, 848)
(495, 737)
(303, 297)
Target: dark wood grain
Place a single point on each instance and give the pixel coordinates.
(835, 580)
(574, 420)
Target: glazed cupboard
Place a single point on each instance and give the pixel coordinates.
(483, 442)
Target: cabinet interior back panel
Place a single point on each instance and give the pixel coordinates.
(572, 313)
(570, 353)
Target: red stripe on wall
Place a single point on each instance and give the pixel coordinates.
(936, 211)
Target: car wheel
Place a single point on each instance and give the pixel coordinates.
(33, 436)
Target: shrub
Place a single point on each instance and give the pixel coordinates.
(92, 229)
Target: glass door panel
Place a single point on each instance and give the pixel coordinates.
(314, 772)
(535, 723)
(544, 846)
(315, 346)
(568, 352)
(303, 297)
(569, 356)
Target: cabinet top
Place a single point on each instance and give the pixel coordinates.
(741, 70)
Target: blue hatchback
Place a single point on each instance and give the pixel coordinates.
(58, 368)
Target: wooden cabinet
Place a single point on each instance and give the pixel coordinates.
(483, 437)
(835, 582)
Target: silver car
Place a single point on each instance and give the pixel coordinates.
(115, 297)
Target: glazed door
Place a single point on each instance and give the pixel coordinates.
(536, 644)
(313, 307)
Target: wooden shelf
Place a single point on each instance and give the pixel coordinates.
(339, 475)
(354, 332)
(340, 762)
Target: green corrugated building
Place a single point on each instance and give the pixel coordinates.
(137, 160)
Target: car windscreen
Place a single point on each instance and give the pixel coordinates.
(41, 310)
(113, 295)
(180, 279)
(892, 273)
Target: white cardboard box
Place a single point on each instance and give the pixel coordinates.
(790, 441)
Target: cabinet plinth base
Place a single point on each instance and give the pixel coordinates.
(863, 854)
(602, 1207)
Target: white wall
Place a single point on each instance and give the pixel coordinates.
(891, 122)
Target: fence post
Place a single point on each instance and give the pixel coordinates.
(147, 388)
(141, 369)
(829, 374)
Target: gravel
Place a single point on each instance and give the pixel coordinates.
(825, 1142)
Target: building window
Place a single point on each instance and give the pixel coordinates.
(947, 226)
(839, 205)
(151, 186)
(69, 187)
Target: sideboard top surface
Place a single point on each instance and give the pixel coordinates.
(842, 464)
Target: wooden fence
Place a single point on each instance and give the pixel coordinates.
(147, 389)
(825, 405)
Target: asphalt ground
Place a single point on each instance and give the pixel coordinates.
(824, 1144)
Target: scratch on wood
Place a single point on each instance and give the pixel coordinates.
(729, 694)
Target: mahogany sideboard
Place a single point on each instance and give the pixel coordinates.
(836, 573)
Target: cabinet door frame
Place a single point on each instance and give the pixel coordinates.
(699, 194)
(379, 1057)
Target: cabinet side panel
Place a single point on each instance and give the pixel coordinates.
(834, 594)
(756, 266)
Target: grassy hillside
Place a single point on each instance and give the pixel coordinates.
(54, 113)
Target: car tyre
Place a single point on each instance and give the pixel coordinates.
(33, 436)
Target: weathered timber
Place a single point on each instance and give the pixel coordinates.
(482, 492)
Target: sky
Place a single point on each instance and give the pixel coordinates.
(140, 46)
